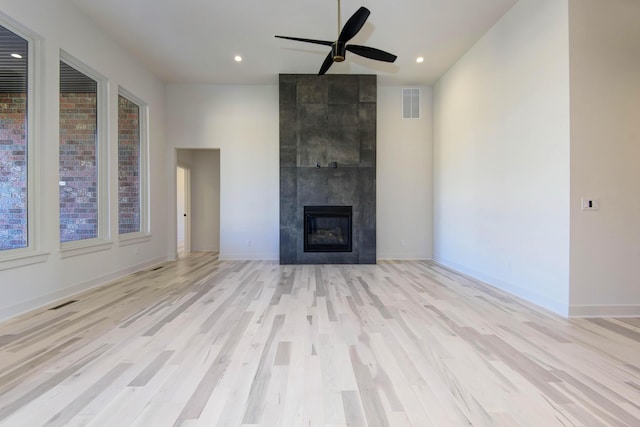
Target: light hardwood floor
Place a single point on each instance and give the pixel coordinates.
(202, 342)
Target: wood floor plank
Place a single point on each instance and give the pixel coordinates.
(63, 417)
(204, 342)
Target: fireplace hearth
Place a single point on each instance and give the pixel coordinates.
(327, 228)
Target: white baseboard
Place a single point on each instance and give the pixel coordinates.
(539, 300)
(403, 257)
(604, 311)
(575, 311)
(50, 299)
(224, 256)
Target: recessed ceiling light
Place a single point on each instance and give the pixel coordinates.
(238, 58)
(16, 55)
(419, 59)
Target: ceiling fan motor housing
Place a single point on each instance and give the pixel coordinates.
(338, 51)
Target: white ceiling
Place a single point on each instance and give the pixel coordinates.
(195, 41)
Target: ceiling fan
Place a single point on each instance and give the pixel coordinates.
(340, 47)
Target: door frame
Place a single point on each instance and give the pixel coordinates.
(187, 206)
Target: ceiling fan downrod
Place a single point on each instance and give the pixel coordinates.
(339, 23)
(338, 48)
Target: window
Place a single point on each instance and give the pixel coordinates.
(131, 165)
(14, 146)
(83, 214)
(19, 171)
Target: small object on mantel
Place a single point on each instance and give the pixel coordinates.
(333, 164)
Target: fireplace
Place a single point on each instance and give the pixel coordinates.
(328, 121)
(327, 228)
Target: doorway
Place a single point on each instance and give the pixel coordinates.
(198, 204)
(183, 210)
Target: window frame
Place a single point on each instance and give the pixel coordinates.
(32, 253)
(103, 239)
(144, 234)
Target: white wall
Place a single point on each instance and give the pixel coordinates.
(243, 122)
(404, 177)
(605, 156)
(501, 156)
(205, 201)
(61, 26)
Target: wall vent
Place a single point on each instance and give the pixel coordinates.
(410, 103)
(64, 304)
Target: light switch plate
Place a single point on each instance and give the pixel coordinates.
(589, 204)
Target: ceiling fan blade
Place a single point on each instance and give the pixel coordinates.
(354, 24)
(322, 42)
(371, 53)
(328, 61)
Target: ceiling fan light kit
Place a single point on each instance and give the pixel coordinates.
(340, 47)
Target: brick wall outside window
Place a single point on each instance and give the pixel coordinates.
(128, 166)
(78, 167)
(13, 171)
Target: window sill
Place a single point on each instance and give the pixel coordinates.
(81, 247)
(133, 239)
(22, 258)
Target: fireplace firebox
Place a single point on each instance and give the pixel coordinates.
(327, 228)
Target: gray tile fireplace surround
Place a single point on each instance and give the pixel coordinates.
(327, 119)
